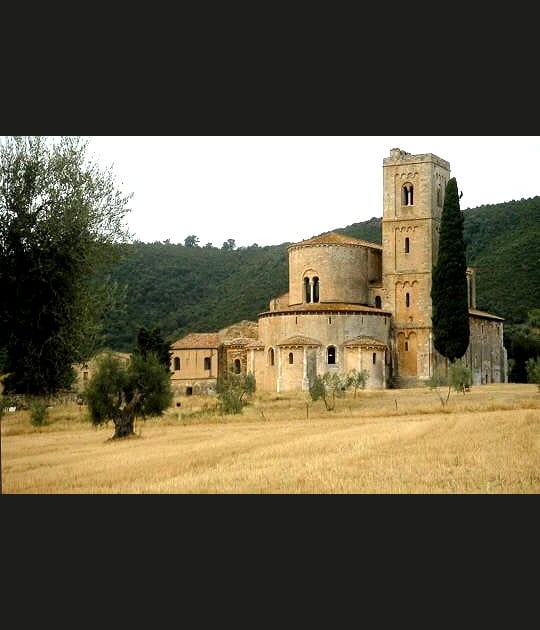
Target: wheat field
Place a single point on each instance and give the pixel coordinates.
(392, 441)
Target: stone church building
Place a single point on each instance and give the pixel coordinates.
(353, 304)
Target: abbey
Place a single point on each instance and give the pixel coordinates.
(353, 304)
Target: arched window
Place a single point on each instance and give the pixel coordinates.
(374, 358)
(404, 196)
(331, 355)
(439, 196)
(406, 346)
(207, 363)
(291, 358)
(407, 245)
(176, 364)
(315, 289)
(407, 300)
(407, 195)
(307, 290)
(237, 366)
(271, 356)
(378, 301)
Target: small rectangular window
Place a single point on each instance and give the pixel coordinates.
(207, 363)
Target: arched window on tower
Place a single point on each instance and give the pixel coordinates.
(237, 366)
(176, 364)
(407, 195)
(374, 358)
(315, 289)
(307, 292)
(407, 245)
(407, 300)
(439, 196)
(404, 196)
(378, 301)
(291, 358)
(331, 355)
(271, 356)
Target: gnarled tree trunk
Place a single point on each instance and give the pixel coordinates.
(123, 425)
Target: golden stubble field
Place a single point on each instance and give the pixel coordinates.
(393, 441)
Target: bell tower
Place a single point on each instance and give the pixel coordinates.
(413, 199)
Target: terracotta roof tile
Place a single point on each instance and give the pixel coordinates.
(197, 340)
(363, 340)
(332, 238)
(299, 340)
(328, 306)
(255, 343)
(238, 341)
(473, 311)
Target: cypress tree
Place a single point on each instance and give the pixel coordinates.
(449, 287)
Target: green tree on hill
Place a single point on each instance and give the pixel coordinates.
(229, 244)
(449, 288)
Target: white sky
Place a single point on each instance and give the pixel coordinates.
(271, 189)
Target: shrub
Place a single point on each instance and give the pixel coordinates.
(533, 371)
(357, 379)
(328, 387)
(231, 390)
(38, 413)
(459, 376)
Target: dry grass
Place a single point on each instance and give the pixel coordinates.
(394, 441)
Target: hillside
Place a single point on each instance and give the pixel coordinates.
(183, 289)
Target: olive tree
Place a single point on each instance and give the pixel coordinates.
(124, 393)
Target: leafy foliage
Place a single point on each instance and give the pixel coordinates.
(231, 389)
(60, 216)
(533, 371)
(459, 376)
(449, 288)
(123, 393)
(328, 387)
(38, 413)
(523, 343)
(150, 340)
(357, 380)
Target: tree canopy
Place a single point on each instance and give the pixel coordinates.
(150, 340)
(449, 286)
(60, 216)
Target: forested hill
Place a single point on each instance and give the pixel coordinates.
(182, 289)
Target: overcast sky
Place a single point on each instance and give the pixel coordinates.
(271, 189)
